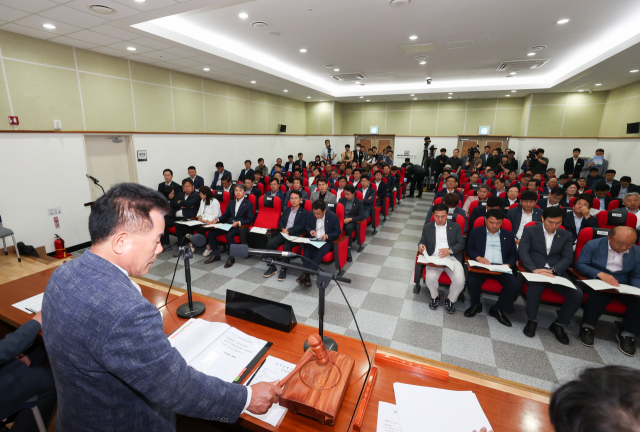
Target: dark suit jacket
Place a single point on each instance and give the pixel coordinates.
(444, 191)
(299, 223)
(512, 165)
(454, 238)
(455, 163)
(217, 176)
(569, 169)
(383, 189)
(286, 165)
(615, 187)
(607, 201)
(543, 202)
(506, 203)
(299, 164)
(357, 211)
(569, 224)
(593, 181)
(358, 156)
(477, 244)
(515, 215)
(391, 183)
(368, 199)
(440, 162)
(332, 182)
(198, 182)
(456, 211)
(192, 203)
(533, 249)
(244, 215)
(17, 342)
(285, 202)
(105, 359)
(245, 174)
(177, 188)
(495, 193)
(279, 194)
(486, 159)
(593, 260)
(331, 225)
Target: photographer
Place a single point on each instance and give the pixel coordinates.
(474, 161)
(455, 161)
(537, 162)
(512, 162)
(328, 154)
(441, 161)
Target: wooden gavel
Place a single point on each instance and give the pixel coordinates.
(318, 350)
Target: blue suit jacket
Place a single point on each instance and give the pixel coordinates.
(114, 367)
(331, 225)
(279, 194)
(444, 191)
(477, 243)
(391, 182)
(217, 176)
(244, 215)
(593, 260)
(368, 199)
(246, 173)
(569, 224)
(192, 203)
(299, 223)
(383, 189)
(515, 215)
(198, 182)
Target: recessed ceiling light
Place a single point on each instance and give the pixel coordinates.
(308, 97)
(423, 62)
(412, 94)
(243, 15)
(286, 91)
(140, 1)
(48, 26)
(303, 50)
(634, 71)
(131, 48)
(415, 98)
(368, 100)
(512, 73)
(531, 54)
(450, 93)
(336, 70)
(513, 91)
(357, 82)
(253, 82)
(399, 3)
(563, 21)
(598, 84)
(206, 69)
(102, 9)
(580, 91)
(361, 97)
(449, 97)
(508, 95)
(414, 37)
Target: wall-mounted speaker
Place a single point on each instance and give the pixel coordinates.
(283, 128)
(633, 128)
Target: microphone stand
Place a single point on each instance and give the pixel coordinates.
(322, 282)
(191, 309)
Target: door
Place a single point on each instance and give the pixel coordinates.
(109, 162)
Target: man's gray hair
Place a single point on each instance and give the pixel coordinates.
(484, 186)
(635, 194)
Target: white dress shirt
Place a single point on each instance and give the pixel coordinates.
(238, 203)
(320, 227)
(441, 240)
(614, 259)
(526, 218)
(623, 192)
(548, 240)
(209, 212)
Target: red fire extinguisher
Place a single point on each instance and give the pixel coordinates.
(61, 251)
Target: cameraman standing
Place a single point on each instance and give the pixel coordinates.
(328, 154)
(537, 162)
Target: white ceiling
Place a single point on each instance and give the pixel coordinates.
(600, 44)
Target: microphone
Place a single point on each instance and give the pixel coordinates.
(243, 251)
(198, 240)
(95, 180)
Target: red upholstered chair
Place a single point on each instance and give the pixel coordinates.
(339, 253)
(268, 217)
(307, 190)
(223, 198)
(614, 218)
(502, 195)
(473, 205)
(590, 192)
(283, 188)
(266, 179)
(489, 183)
(440, 185)
(305, 181)
(614, 204)
(506, 223)
(261, 188)
(333, 192)
(403, 186)
(459, 220)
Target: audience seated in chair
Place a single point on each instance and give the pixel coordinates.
(274, 189)
(524, 213)
(297, 185)
(554, 199)
(481, 210)
(579, 216)
(168, 181)
(368, 197)
(208, 212)
(247, 172)
(216, 184)
(186, 207)
(195, 178)
(353, 212)
(322, 192)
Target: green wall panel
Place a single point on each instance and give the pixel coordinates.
(258, 117)
(188, 111)
(153, 108)
(424, 122)
(375, 118)
(186, 81)
(546, 121)
(216, 113)
(238, 115)
(214, 87)
(150, 74)
(399, 122)
(451, 122)
(107, 103)
(36, 50)
(477, 118)
(90, 61)
(583, 120)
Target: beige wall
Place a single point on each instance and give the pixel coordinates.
(622, 107)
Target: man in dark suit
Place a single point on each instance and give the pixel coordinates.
(168, 181)
(275, 190)
(368, 197)
(498, 187)
(113, 364)
(573, 166)
(551, 184)
(512, 197)
(523, 214)
(601, 192)
(593, 178)
(615, 260)
(216, 184)
(512, 163)
(239, 212)
(493, 245)
(262, 168)
(382, 188)
(251, 189)
(547, 250)
(486, 156)
(292, 222)
(481, 210)
(300, 163)
(450, 186)
(609, 180)
(288, 166)
(297, 185)
(391, 180)
(451, 201)
(353, 212)
(247, 172)
(441, 238)
(625, 187)
(23, 375)
(186, 207)
(441, 161)
(554, 199)
(455, 161)
(195, 178)
(227, 186)
(579, 216)
(358, 154)
(416, 174)
(323, 225)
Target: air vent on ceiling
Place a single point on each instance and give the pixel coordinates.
(349, 77)
(459, 44)
(329, 66)
(399, 3)
(259, 24)
(102, 9)
(537, 47)
(273, 33)
(521, 64)
(417, 48)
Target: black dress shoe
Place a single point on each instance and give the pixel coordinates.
(473, 311)
(530, 329)
(627, 344)
(270, 271)
(301, 279)
(559, 333)
(433, 304)
(307, 281)
(449, 306)
(213, 258)
(349, 257)
(360, 249)
(230, 262)
(409, 196)
(416, 288)
(500, 316)
(283, 274)
(586, 336)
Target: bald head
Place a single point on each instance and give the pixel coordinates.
(622, 238)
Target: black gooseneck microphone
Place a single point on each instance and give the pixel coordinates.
(95, 181)
(190, 309)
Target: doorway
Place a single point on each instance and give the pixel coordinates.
(111, 160)
(378, 141)
(465, 142)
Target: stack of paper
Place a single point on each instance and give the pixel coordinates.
(599, 285)
(190, 222)
(272, 369)
(259, 230)
(501, 268)
(441, 410)
(424, 258)
(304, 240)
(534, 277)
(30, 305)
(222, 226)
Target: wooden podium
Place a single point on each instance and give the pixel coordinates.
(316, 387)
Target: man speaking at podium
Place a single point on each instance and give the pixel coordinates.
(113, 365)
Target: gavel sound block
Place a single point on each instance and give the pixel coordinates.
(316, 387)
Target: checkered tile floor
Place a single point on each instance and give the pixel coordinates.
(389, 314)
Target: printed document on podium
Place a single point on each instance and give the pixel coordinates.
(272, 369)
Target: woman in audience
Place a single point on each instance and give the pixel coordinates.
(318, 160)
(316, 173)
(571, 189)
(582, 185)
(208, 212)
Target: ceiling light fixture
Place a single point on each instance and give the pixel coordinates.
(413, 37)
(513, 91)
(508, 95)
(286, 91)
(423, 62)
(531, 54)
(412, 94)
(399, 3)
(368, 100)
(102, 9)
(206, 69)
(449, 97)
(563, 21)
(361, 97)
(243, 15)
(303, 50)
(598, 84)
(140, 1)
(131, 48)
(634, 71)
(580, 91)
(308, 97)
(450, 93)
(415, 98)
(357, 82)
(513, 73)
(48, 26)
(253, 82)
(336, 70)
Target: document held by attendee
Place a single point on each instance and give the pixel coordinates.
(501, 268)
(600, 285)
(30, 305)
(424, 258)
(557, 280)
